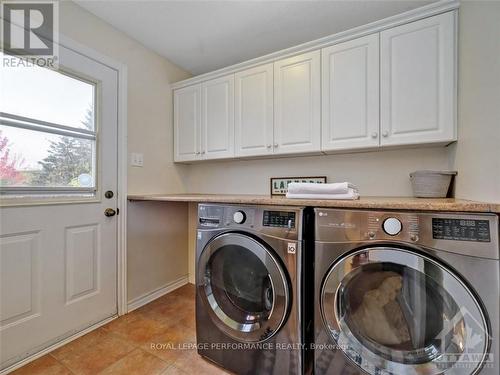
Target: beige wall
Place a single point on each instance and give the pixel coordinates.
(150, 128)
(380, 173)
(477, 153)
(157, 251)
(157, 247)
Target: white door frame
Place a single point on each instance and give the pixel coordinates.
(122, 150)
(121, 69)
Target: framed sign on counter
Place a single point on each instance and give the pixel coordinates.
(279, 185)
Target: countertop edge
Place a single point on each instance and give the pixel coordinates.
(397, 203)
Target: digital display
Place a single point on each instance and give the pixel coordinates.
(461, 229)
(279, 219)
(209, 222)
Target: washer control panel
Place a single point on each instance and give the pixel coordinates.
(471, 234)
(239, 217)
(461, 229)
(381, 225)
(392, 226)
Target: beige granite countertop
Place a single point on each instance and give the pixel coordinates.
(396, 203)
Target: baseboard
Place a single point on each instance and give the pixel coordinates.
(149, 297)
(47, 350)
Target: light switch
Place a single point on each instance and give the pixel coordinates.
(136, 159)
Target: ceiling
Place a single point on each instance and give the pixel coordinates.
(201, 36)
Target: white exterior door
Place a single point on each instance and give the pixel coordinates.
(58, 262)
(297, 104)
(350, 94)
(254, 111)
(418, 91)
(217, 118)
(187, 123)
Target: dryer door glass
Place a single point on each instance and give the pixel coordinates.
(395, 310)
(245, 288)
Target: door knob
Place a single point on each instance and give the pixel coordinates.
(109, 212)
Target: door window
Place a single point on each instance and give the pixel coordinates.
(397, 311)
(48, 132)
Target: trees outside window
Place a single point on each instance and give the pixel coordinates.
(9, 164)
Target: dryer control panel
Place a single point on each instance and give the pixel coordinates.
(276, 221)
(471, 234)
(279, 219)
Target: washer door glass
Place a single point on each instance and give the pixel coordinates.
(395, 310)
(244, 287)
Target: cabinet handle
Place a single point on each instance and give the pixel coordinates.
(276, 145)
(385, 134)
(269, 146)
(374, 135)
(197, 152)
(203, 152)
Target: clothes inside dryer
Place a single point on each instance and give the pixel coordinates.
(391, 307)
(240, 277)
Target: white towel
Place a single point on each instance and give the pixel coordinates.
(351, 194)
(313, 188)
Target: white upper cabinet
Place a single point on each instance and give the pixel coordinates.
(187, 123)
(387, 86)
(254, 111)
(217, 118)
(418, 92)
(350, 94)
(297, 90)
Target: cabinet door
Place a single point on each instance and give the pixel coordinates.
(418, 95)
(217, 119)
(254, 111)
(187, 118)
(350, 94)
(297, 104)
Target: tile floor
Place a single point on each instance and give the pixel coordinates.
(125, 345)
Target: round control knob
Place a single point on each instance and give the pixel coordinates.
(239, 217)
(392, 226)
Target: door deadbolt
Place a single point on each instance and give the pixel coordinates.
(109, 212)
(109, 194)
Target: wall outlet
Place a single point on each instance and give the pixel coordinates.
(136, 159)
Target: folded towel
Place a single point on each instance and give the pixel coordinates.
(312, 188)
(351, 194)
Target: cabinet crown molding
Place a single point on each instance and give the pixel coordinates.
(370, 28)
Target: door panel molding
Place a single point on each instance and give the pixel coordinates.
(20, 288)
(82, 248)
